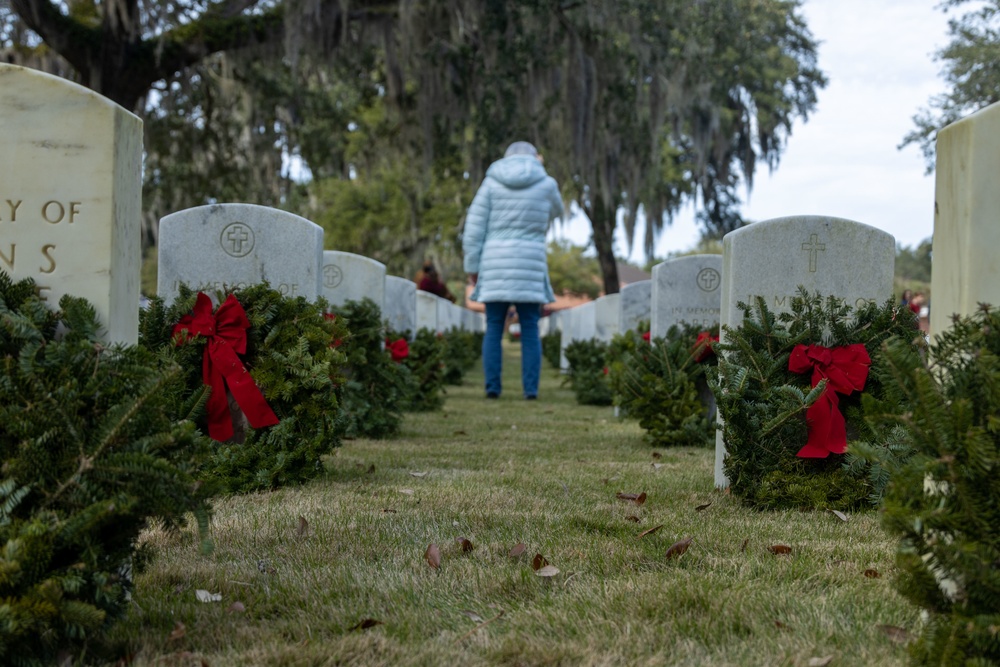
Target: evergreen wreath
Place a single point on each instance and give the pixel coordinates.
(462, 351)
(293, 356)
(944, 503)
(662, 383)
(94, 450)
(551, 348)
(588, 371)
(767, 408)
(376, 386)
(426, 362)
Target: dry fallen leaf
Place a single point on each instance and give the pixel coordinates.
(650, 531)
(365, 624)
(657, 455)
(840, 515)
(641, 499)
(743, 548)
(895, 633)
(465, 544)
(538, 562)
(236, 608)
(473, 615)
(872, 573)
(388, 510)
(418, 474)
(303, 527)
(459, 433)
(657, 466)
(780, 549)
(178, 632)
(700, 508)
(371, 469)
(780, 625)
(547, 571)
(205, 596)
(820, 662)
(626, 496)
(677, 549)
(433, 556)
(633, 519)
(517, 550)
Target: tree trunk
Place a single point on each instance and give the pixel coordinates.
(602, 222)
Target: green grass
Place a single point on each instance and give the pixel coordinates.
(501, 472)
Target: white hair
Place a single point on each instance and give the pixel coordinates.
(520, 148)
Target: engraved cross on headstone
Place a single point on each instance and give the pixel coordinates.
(814, 248)
(237, 236)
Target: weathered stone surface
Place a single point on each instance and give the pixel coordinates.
(401, 304)
(966, 230)
(686, 289)
(636, 305)
(607, 315)
(578, 324)
(235, 245)
(427, 310)
(349, 277)
(832, 256)
(71, 195)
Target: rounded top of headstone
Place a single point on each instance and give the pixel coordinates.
(236, 209)
(329, 255)
(45, 83)
(799, 220)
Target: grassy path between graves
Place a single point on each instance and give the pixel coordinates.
(497, 473)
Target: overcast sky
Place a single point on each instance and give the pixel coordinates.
(878, 57)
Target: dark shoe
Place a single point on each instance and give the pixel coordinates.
(531, 398)
(492, 394)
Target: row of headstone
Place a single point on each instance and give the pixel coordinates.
(70, 207)
(70, 216)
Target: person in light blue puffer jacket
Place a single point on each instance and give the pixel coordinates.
(505, 256)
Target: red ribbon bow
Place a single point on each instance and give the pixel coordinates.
(399, 349)
(645, 336)
(845, 370)
(226, 335)
(703, 345)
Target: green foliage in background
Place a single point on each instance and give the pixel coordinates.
(93, 452)
(944, 504)
(661, 384)
(294, 363)
(588, 371)
(376, 386)
(764, 405)
(572, 272)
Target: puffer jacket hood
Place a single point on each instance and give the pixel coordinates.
(517, 171)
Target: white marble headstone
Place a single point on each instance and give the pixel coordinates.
(607, 316)
(580, 324)
(349, 277)
(427, 310)
(71, 195)
(237, 245)
(832, 256)
(686, 289)
(401, 304)
(636, 305)
(966, 227)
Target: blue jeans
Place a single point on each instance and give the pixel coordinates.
(528, 315)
